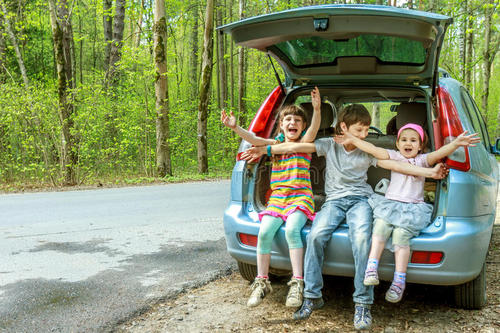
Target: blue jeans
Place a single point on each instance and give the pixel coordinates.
(358, 215)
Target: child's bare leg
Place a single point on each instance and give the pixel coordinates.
(381, 232)
(402, 256)
(294, 224)
(401, 240)
(263, 261)
(268, 227)
(261, 285)
(297, 259)
(378, 245)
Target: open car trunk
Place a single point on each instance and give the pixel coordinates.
(398, 107)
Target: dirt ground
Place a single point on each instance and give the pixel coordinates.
(220, 306)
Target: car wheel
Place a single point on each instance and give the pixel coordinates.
(472, 295)
(247, 271)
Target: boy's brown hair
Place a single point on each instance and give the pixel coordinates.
(352, 114)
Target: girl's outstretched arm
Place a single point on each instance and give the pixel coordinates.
(369, 148)
(316, 118)
(230, 121)
(462, 140)
(439, 171)
(283, 148)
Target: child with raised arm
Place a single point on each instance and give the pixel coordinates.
(347, 194)
(291, 200)
(402, 212)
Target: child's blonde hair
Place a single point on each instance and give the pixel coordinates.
(352, 114)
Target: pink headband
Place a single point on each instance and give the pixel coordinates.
(414, 127)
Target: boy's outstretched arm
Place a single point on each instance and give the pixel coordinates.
(439, 171)
(316, 118)
(369, 148)
(230, 121)
(462, 140)
(279, 149)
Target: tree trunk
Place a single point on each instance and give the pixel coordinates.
(3, 67)
(462, 39)
(498, 122)
(433, 6)
(138, 29)
(469, 49)
(15, 44)
(107, 21)
(206, 77)
(116, 45)
(231, 57)
(194, 51)
(222, 61)
(376, 115)
(163, 162)
(487, 57)
(62, 33)
(80, 58)
(241, 74)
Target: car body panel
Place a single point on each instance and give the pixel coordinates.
(345, 22)
(453, 236)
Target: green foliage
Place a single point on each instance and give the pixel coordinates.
(116, 129)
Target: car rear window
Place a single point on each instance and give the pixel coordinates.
(315, 50)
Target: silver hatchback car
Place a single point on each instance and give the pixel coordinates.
(387, 58)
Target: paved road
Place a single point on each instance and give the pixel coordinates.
(81, 261)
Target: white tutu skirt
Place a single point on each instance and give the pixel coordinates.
(411, 216)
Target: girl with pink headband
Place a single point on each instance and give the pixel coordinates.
(402, 212)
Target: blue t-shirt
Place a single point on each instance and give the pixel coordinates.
(345, 171)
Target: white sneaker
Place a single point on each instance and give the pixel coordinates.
(260, 288)
(295, 293)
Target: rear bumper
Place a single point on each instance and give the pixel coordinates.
(463, 241)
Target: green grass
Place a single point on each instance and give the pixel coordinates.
(113, 181)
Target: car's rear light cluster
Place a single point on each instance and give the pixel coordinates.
(449, 127)
(261, 124)
(426, 257)
(244, 146)
(246, 239)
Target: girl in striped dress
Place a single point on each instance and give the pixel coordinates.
(291, 201)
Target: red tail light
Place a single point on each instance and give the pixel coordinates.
(261, 125)
(250, 240)
(426, 257)
(450, 127)
(238, 157)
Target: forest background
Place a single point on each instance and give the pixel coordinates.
(127, 91)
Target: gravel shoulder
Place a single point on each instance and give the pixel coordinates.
(220, 306)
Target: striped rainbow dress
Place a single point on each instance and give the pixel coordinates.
(291, 187)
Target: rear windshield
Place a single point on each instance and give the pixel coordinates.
(320, 51)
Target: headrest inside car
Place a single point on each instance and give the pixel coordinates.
(415, 113)
(327, 116)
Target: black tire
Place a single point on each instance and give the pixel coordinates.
(472, 295)
(247, 271)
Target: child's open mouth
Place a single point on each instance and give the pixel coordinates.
(292, 130)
